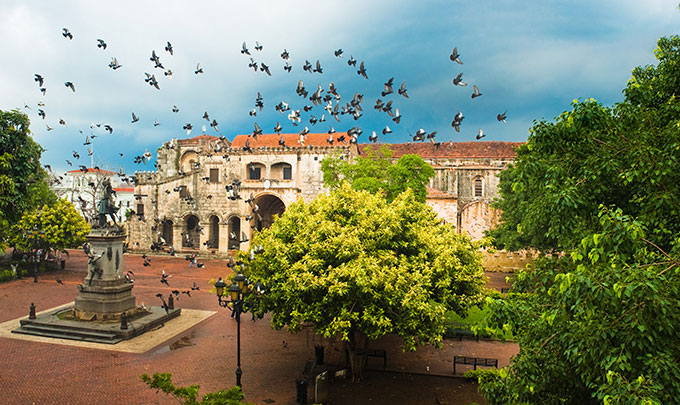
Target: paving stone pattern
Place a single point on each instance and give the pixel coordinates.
(46, 373)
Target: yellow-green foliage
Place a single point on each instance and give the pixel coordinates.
(63, 227)
(351, 262)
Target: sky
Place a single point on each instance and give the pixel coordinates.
(528, 58)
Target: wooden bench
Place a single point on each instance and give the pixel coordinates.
(461, 329)
(474, 361)
(379, 353)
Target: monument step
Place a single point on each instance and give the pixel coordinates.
(71, 334)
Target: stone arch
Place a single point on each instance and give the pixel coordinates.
(477, 217)
(268, 205)
(167, 231)
(191, 232)
(234, 233)
(187, 159)
(214, 232)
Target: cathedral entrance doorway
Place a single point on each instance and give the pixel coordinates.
(190, 236)
(214, 240)
(167, 232)
(268, 206)
(234, 233)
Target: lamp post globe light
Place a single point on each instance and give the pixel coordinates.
(237, 293)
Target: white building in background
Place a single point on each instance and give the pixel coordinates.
(83, 189)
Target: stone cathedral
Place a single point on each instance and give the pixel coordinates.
(201, 197)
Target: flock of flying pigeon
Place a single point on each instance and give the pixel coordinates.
(329, 99)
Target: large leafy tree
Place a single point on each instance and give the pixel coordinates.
(58, 227)
(601, 184)
(23, 181)
(625, 156)
(357, 268)
(376, 172)
(598, 325)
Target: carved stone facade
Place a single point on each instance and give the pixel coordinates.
(185, 204)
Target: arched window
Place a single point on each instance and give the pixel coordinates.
(187, 160)
(479, 187)
(255, 171)
(282, 171)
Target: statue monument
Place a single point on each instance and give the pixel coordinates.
(105, 310)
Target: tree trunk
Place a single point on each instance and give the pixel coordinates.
(356, 361)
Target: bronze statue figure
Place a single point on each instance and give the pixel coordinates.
(106, 206)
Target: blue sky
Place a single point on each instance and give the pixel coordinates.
(531, 58)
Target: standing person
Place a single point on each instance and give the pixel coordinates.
(192, 260)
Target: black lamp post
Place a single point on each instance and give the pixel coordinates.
(35, 232)
(237, 291)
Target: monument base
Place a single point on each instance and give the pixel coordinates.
(62, 324)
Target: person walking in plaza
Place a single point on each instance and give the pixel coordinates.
(192, 260)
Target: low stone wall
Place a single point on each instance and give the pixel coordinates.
(504, 261)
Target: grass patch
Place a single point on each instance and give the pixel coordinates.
(477, 317)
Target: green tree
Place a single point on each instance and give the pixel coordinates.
(58, 227)
(188, 395)
(23, 181)
(357, 268)
(377, 173)
(599, 324)
(624, 156)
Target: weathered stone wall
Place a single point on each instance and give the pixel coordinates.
(446, 208)
(187, 163)
(476, 217)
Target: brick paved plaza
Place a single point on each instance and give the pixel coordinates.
(49, 373)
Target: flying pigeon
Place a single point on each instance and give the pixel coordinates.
(458, 80)
(455, 56)
(362, 70)
(244, 49)
(475, 91)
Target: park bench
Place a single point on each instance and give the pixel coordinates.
(505, 290)
(461, 329)
(474, 361)
(378, 353)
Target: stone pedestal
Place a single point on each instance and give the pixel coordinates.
(105, 293)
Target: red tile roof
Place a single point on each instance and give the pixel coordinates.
(195, 140)
(481, 149)
(92, 170)
(124, 189)
(291, 140)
